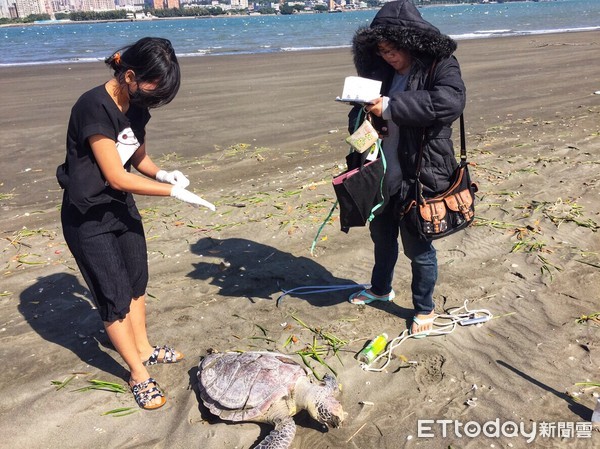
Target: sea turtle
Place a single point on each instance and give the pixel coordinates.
(266, 387)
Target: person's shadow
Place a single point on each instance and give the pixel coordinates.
(579, 409)
(244, 268)
(56, 307)
(247, 269)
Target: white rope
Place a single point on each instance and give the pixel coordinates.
(442, 324)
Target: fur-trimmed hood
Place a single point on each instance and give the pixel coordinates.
(400, 23)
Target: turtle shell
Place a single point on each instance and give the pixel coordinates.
(243, 386)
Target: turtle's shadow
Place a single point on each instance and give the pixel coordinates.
(204, 413)
(58, 308)
(302, 419)
(244, 268)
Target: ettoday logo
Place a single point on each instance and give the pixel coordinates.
(429, 428)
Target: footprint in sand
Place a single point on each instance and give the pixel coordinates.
(429, 369)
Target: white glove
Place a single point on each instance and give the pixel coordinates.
(174, 177)
(185, 195)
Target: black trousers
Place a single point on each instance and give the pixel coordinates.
(109, 246)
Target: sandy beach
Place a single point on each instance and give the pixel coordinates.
(261, 137)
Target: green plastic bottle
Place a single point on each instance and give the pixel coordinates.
(373, 349)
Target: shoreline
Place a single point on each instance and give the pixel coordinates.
(485, 35)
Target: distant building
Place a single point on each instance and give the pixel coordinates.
(8, 9)
(97, 5)
(28, 7)
(58, 5)
(131, 5)
(239, 4)
(164, 4)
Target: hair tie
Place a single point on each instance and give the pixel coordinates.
(117, 58)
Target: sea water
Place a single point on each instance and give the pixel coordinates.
(72, 42)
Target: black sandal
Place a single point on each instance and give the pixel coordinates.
(144, 394)
(169, 356)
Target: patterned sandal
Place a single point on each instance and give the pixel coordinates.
(144, 394)
(169, 356)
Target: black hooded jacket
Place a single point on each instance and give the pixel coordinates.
(435, 108)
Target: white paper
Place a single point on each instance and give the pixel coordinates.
(360, 90)
(373, 152)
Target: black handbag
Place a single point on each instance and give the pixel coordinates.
(447, 212)
(361, 190)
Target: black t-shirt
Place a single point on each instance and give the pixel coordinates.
(96, 113)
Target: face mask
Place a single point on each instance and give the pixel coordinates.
(143, 99)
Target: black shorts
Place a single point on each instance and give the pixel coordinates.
(109, 246)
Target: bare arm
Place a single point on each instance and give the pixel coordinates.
(142, 163)
(105, 152)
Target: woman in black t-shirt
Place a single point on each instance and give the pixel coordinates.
(101, 223)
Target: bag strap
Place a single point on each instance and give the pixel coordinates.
(428, 85)
(381, 183)
(463, 141)
(358, 120)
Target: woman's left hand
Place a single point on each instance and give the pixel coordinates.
(174, 177)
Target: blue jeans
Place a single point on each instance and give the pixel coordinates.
(385, 229)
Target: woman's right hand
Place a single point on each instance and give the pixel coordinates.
(185, 195)
(375, 107)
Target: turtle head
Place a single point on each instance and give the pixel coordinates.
(327, 409)
(330, 412)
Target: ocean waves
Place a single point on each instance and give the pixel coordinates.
(84, 42)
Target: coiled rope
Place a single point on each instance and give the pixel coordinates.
(443, 324)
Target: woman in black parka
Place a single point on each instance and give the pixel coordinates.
(399, 49)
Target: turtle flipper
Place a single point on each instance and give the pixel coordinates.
(281, 436)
